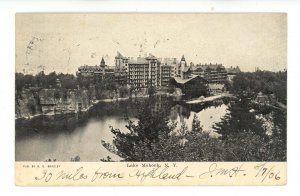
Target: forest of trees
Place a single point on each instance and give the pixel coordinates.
(43, 80)
(102, 88)
(266, 82)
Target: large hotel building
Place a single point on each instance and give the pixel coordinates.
(143, 72)
(213, 73)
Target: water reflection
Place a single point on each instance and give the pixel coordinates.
(208, 116)
(64, 137)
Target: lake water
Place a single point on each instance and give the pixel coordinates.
(65, 137)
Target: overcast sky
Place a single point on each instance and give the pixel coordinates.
(63, 42)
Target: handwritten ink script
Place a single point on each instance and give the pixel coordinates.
(157, 173)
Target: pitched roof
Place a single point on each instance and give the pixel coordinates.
(102, 62)
(151, 56)
(95, 69)
(179, 80)
(182, 58)
(90, 68)
(186, 69)
(120, 56)
(233, 70)
(208, 67)
(198, 69)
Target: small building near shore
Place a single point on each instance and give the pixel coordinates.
(47, 105)
(194, 86)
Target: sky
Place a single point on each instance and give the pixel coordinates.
(63, 42)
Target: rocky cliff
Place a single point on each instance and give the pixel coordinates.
(31, 102)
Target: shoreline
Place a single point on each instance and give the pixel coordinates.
(30, 117)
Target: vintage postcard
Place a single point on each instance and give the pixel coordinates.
(150, 99)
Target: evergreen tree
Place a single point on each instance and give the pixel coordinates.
(196, 127)
(279, 135)
(183, 130)
(239, 119)
(137, 142)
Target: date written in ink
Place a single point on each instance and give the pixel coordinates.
(264, 171)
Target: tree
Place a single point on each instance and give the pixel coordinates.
(279, 134)
(56, 94)
(40, 79)
(31, 105)
(196, 127)
(75, 159)
(68, 81)
(140, 137)
(183, 130)
(246, 146)
(239, 119)
(227, 85)
(51, 79)
(123, 91)
(151, 90)
(261, 81)
(19, 78)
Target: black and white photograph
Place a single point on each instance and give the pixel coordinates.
(128, 87)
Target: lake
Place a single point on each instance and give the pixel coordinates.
(66, 136)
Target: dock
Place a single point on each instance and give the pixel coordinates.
(207, 99)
